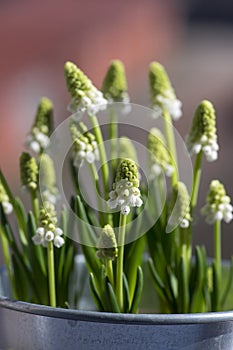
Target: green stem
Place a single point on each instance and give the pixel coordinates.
(103, 158)
(7, 260)
(35, 205)
(120, 261)
(51, 274)
(196, 181)
(113, 135)
(171, 144)
(95, 177)
(217, 247)
(108, 264)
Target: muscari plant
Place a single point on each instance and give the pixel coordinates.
(38, 254)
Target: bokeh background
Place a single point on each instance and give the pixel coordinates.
(192, 38)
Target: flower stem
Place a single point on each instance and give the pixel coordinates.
(109, 270)
(103, 158)
(51, 274)
(120, 261)
(196, 181)
(113, 135)
(95, 177)
(171, 144)
(35, 205)
(217, 247)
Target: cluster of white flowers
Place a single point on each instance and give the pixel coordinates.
(170, 104)
(125, 196)
(53, 234)
(85, 149)
(209, 146)
(217, 207)
(37, 140)
(90, 101)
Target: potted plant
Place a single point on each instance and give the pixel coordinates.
(130, 212)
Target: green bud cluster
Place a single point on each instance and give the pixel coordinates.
(77, 82)
(127, 149)
(28, 171)
(202, 135)
(48, 216)
(44, 116)
(180, 205)
(159, 83)
(5, 201)
(47, 179)
(160, 158)
(106, 244)
(127, 170)
(217, 205)
(115, 85)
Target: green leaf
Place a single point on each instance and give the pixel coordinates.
(111, 300)
(228, 286)
(199, 282)
(94, 292)
(158, 283)
(126, 296)
(138, 291)
(183, 287)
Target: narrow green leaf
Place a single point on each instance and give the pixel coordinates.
(138, 291)
(183, 287)
(126, 296)
(95, 293)
(111, 298)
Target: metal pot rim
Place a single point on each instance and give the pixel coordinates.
(104, 317)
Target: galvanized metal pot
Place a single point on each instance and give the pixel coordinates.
(25, 326)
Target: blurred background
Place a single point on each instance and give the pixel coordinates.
(192, 38)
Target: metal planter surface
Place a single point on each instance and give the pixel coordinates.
(25, 326)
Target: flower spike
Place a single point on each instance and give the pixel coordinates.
(115, 85)
(85, 96)
(38, 138)
(28, 171)
(106, 244)
(47, 179)
(162, 92)
(217, 207)
(180, 206)
(126, 193)
(160, 159)
(202, 135)
(5, 201)
(48, 231)
(85, 147)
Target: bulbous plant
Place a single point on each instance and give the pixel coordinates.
(39, 256)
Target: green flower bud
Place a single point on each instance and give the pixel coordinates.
(106, 244)
(126, 193)
(217, 205)
(77, 82)
(48, 215)
(47, 178)
(128, 170)
(127, 149)
(115, 85)
(44, 116)
(5, 201)
(38, 138)
(160, 158)
(85, 96)
(162, 92)
(28, 171)
(85, 146)
(202, 135)
(180, 206)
